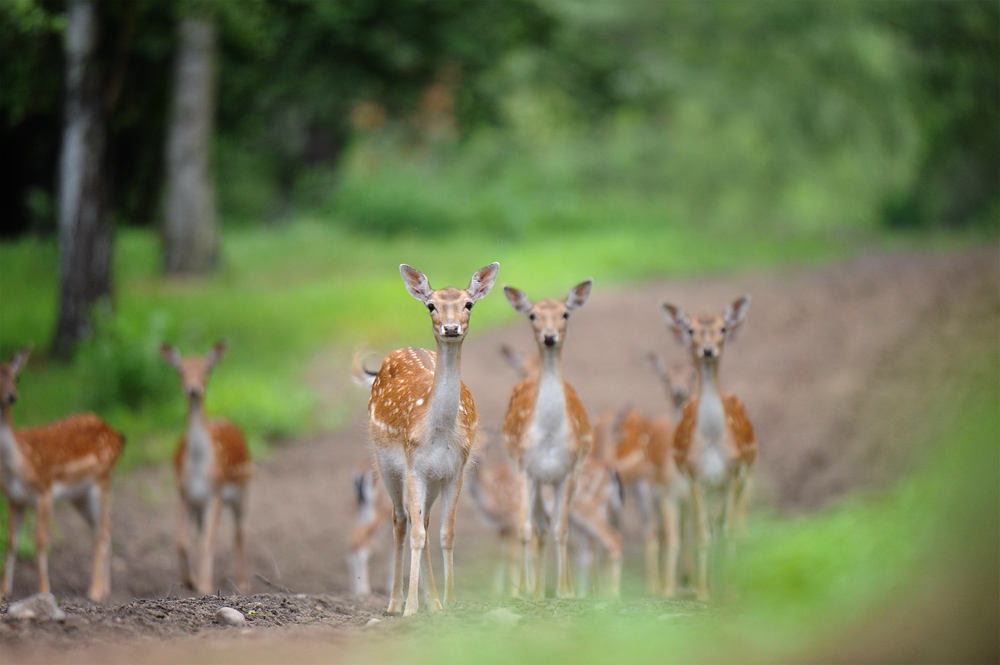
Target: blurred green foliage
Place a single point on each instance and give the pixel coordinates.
(778, 113)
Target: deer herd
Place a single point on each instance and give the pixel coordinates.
(565, 484)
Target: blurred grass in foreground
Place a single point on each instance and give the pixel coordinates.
(284, 294)
(907, 574)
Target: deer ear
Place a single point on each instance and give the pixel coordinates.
(678, 322)
(518, 299)
(658, 364)
(171, 355)
(20, 359)
(578, 295)
(416, 283)
(217, 352)
(734, 316)
(482, 281)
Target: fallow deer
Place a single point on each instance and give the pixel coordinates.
(423, 424)
(69, 459)
(496, 493)
(714, 443)
(374, 514)
(547, 434)
(213, 468)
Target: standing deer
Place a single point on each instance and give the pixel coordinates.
(73, 459)
(374, 513)
(213, 468)
(423, 424)
(714, 443)
(547, 434)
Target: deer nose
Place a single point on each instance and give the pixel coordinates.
(194, 391)
(451, 330)
(550, 339)
(708, 352)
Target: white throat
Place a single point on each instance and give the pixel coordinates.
(550, 410)
(711, 415)
(446, 395)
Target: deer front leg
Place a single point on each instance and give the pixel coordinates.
(651, 519)
(527, 492)
(210, 522)
(184, 561)
(43, 509)
(449, 508)
(100, 579)
(430, 592)
(703, 537)
(560, 524)
(671, 526)
(239, 519)
(418, 538)
(15, 518)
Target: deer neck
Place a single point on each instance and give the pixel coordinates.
(9, 453)
(199, 439)
(446, 394)
(550, 411)
(711, 415)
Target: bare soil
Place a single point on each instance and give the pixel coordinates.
(823, 365)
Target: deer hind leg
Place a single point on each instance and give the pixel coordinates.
(43, 509)
(209, 524)
(743, 502)
(15, 518)
(671, 526)
(100, 579)
(560, 519)
(449, 508)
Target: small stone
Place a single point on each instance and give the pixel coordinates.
(372, 622)
(502, 616)
(227, 616)
(39, 606)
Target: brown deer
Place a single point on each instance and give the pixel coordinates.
(714, 443)
(213, 468)
(423, 424)
(547, 434)
(374, 514)
(72, 459)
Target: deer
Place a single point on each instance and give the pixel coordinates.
(213, 468)
(70, 459)
(547, 434)
(374, 514)
(423, 424)
(496, 494)
(714, 443)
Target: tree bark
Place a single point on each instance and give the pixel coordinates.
(84, 229)
(190, 234)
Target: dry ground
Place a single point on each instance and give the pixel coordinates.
(817, 365)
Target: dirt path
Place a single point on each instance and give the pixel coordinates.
(817, 346)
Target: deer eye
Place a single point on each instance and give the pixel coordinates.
(468, 305)
(723, 330)
(565, 315)
(531, 316)
(691, 331)
(431, 307)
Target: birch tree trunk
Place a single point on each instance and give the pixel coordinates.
(84, 230)
(190, 234)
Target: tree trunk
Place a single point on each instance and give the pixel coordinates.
(190, 235)
(84, 230)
